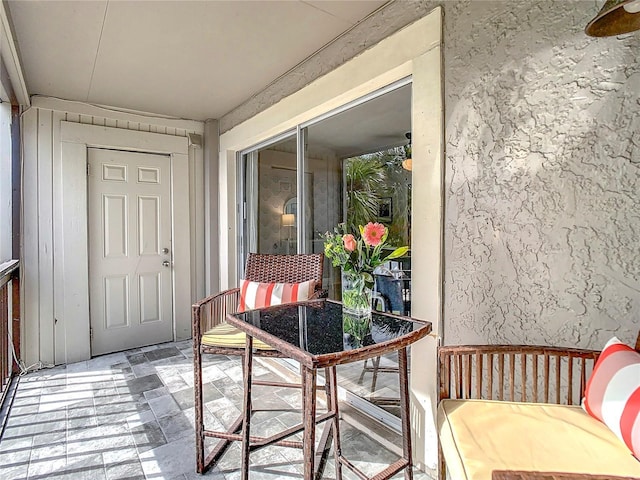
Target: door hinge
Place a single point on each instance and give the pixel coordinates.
(90, 333)
(88, 170)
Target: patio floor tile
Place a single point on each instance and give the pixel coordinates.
(129, 415)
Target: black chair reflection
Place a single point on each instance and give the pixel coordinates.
(390, 295)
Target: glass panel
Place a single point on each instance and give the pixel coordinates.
(271, 211)
(360, 168)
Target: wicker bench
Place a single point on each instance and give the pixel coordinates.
(513, 412)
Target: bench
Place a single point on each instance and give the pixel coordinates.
(513, 412)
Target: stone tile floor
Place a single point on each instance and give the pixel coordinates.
(130, 416)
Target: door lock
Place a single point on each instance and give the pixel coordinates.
(166, 263)
(165, 251)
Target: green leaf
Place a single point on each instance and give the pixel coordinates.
(398, 252)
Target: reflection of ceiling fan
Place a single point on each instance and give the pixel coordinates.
(407, 164)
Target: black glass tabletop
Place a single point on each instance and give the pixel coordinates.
(321, 328)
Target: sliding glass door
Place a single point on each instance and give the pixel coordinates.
(351, 166)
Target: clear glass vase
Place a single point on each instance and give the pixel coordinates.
(356, 294)
(355, 330)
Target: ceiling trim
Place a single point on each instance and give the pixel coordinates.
(81, 108)
(11, 59)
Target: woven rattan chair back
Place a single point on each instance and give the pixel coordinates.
(261, 267)
(213, 310)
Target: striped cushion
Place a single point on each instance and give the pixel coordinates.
(613, 392)
(258, 295)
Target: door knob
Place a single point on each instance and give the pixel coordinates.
(165, 251)
(165, 263)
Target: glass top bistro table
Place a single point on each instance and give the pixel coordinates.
(318, 335)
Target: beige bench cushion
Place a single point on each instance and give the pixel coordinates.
(479, 436)
(228, 336)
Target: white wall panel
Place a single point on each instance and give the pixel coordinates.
(30, 266)
(58, 241)
(74, 264)
(45, 233)
(50, 293)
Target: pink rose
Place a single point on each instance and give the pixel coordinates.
(372, 233)
(349, 242)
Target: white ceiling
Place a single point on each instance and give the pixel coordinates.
(189, 59)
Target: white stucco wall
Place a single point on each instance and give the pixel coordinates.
(542, 176)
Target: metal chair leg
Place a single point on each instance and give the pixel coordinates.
(405, 414)
(246, 408)
(332, 403)
(198, 406)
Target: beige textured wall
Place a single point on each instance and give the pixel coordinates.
(542, 182)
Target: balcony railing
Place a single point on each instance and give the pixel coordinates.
(9, 324)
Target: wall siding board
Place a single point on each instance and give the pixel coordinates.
(45, 234)
(60, 347)
(198, 230)
(47, 254)
(76, 266)
(181, 256)
(29, 272)
(56, 104)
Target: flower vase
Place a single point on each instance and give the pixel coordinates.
(356, 294)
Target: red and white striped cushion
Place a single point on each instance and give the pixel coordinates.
(258, 295)
(613, 392)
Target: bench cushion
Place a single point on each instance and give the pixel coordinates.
(479, 436)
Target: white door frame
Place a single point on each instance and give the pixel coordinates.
(72, 342)
(414, 51)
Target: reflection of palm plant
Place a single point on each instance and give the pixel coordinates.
(366, 177)
(373, 176)
(384, 329)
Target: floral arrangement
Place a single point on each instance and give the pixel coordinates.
(360, 255)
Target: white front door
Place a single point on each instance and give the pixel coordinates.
(130, 291)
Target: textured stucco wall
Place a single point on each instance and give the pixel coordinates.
(542, 181)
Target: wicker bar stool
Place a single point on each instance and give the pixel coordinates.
(212, 335)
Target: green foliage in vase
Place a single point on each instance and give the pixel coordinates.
(360, 253)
